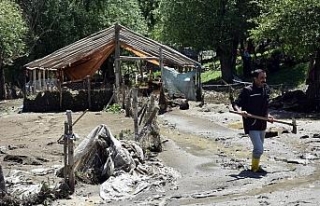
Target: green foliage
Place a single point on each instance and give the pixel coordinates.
(57, 23)
(127, 13)
(187, 23)
(208, 24)
(149, 11)
(12, 31)
(294, 76)
(114, 108)
(293, 23)
(205, 24)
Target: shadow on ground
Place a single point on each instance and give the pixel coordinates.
(247, 174)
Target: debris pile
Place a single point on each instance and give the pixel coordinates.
(121, 167)
(295, 101)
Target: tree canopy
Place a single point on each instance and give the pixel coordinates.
(294, 24)
(208, 24)
(12, 31)
(220, 25)
(57, 23)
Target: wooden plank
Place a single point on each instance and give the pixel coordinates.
(128, 58)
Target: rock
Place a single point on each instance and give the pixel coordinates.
(21, 159)
(296, 161)
(184, 105)
(308, 156)
(3, 150)
(42, 171)
(304, 137)
(275, 131)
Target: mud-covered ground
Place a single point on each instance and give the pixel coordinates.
(205, 147)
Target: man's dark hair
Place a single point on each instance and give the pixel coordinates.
(255, 73)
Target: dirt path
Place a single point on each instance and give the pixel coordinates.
(210, 157)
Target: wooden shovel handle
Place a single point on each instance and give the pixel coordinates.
(262, 118)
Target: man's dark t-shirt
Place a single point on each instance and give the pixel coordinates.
(254, 100)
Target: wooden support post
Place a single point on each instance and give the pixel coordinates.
(89, 91)
(69, 152)
(60, 92)
(34, 81)
(123, 91)
(65, 152)
(162, 100)
(141, 71)
(26, 73)
(44, 80)
(135, 111)
(52, 80)
(199, 84)
(161, 63)
(39, 80)
(3, 188)
(117, 62)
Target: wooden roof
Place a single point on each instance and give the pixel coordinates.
(89, 53)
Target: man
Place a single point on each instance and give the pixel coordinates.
(253, 99)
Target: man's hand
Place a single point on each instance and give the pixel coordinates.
(243, 113)
(270, 118)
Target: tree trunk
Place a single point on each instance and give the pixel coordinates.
(313, 79)
(226, 67)
(2, 81)
(228, 54)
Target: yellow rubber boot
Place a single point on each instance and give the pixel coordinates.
(255, 164)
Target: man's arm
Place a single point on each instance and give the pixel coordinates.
(240, 102)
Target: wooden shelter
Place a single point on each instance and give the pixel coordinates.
(83, 58)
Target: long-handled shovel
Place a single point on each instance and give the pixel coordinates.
(293, 124)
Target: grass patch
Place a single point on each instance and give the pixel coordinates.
(291, 76)
(211, 75)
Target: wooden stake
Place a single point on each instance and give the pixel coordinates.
(135, 111)
(68, 153)
(3, 188)
(65, 152)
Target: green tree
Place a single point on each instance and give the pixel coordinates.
(12, 32)
(57, 23)
(127, 13)
(295, 25)
(208, 24)
(149, 11)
